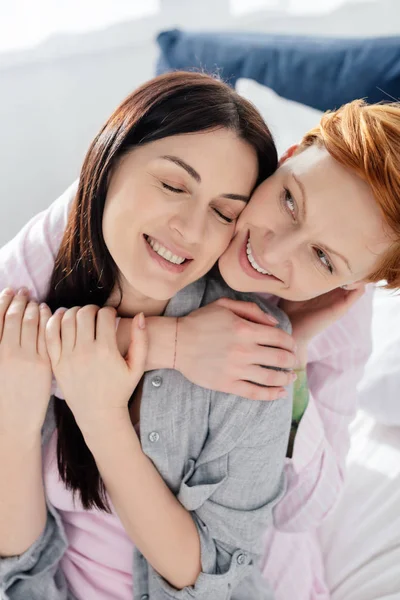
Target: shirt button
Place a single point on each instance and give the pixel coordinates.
(241, 559)
(154, 436)
(144, 597)
(156, 381)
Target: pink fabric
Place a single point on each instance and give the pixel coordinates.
(99, 559)
(292, 560)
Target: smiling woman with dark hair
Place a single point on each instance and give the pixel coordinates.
(152, 476)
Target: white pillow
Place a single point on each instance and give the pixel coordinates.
(287, 120)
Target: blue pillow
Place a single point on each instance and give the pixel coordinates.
(321, 72)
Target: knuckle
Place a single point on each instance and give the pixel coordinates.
(12, 315)
(106, 311)
(87, 310)
(283, 358)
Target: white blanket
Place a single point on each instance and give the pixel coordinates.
(361, 540)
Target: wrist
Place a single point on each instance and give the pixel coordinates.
(103, 424)
(162, 342)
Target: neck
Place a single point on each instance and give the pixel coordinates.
(133, 302)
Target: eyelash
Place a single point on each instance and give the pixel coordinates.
(320, 253)
(180, 191)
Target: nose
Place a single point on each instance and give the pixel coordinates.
(279, 248)
(190, 224)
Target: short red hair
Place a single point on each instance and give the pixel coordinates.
(365, 138)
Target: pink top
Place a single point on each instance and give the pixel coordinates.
(292, 561)
(98, 561)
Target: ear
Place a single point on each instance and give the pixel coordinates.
(354, 286)
(289, 152)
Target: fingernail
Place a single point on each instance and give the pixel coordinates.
(60, 309)
(141, 321)
(42, 305)
(8, 292)
(22, 291)
(294, 376)
(271, 318)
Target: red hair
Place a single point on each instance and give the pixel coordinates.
(365, 138)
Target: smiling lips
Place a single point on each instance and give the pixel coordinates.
(251, 266)
(252, 260)
(165, 257)
(164, 252)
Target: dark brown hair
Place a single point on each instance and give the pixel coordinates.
(84, 272)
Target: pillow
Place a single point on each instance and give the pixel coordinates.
(317, 71)
(287, 120)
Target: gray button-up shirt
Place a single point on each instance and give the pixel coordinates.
(220, 454)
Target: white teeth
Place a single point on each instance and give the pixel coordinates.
(253, 262)
(164, 252)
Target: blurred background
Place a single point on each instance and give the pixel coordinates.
(66, 64)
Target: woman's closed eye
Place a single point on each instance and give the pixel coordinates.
(224, 217)
(170, 188)
(219, 213)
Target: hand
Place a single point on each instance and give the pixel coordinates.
(311, 317)
(222, 346)
(25, 371)
(96, 381)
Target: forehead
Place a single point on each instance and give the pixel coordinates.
(341, 209)
(217, 154)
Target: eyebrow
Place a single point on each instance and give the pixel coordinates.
(304, 215)
(195, 175)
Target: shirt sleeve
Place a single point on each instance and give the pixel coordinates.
(315, 474)
(231, 498)
(36, 574)
(28, 259)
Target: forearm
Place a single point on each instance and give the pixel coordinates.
(161, 332)
(22, 500)
(154, 519)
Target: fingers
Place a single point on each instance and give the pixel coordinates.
(44, 317)
(86, 323)
(253, 392)
(247, 310)
(6, 297)
(106, 327)
(11, 333)
(53, 335)
(68, 328)
(137, 352)
(272, 336)
(30, 326)
(273, 357)
(269, 377)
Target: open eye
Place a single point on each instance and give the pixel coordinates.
(289, 202)
(322, 257)
(172, 189)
